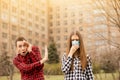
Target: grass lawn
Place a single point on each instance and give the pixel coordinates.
(47, 77)
(101, 76)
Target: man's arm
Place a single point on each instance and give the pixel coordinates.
(36, 51)
(26, 67)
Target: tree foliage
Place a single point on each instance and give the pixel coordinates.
(52, 53)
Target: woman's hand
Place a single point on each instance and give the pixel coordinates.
(72, 50)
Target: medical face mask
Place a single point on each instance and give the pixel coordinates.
(75, 43)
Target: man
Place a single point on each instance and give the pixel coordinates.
(29, 61)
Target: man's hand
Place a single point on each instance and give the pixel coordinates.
(29, 49)
(46, 55)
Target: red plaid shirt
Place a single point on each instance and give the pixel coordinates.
(29, 65)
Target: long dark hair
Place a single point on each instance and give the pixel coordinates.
(80, 52)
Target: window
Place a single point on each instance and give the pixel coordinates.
(30, 40)
(4, 25)
(73, 14)
(43, 43)
(36, 34)
(58, 38)
(37, 26)
(4, 16)
(51, 31)
(58, 45)
(80, 28)
(43, 36)
(58, 15)
(43, 12)
(65, 45)
(29, 32)
(100, 42)
(30, 24)
(22, 31)
(73, 21)
(99, 27)
(51, 17)
(42, 28)
(30, 15)
(80, 21)
(4, 35)
(65, 29)
(65, 37)
(4, 45)
(42, 20)
(65, 15)
(22, 12)
(4, 5)
(65, 22)
(22, 21)
(58, 23)
(37, 18)
(36, 42)
(58, 30)
(14, 9)
(100, 18)
(14, 37)
(14, 19)
(51, 24)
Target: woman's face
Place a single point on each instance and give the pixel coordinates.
(75, 40)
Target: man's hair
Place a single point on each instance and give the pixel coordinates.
(19, 39)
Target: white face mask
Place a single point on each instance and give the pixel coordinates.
(75, 43)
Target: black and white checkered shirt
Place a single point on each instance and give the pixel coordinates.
(77, 73)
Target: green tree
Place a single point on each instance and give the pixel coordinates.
(52, 53)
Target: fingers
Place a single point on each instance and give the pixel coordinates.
(26, 43)
(73, 49)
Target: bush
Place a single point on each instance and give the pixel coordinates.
(52, 69)
(96, 68)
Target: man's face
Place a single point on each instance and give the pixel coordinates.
(22, 47)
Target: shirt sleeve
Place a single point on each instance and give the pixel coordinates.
(26, 67)
(66, 63)
(36, 52)
(89, 72)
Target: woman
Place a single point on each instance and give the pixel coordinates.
(75, 64)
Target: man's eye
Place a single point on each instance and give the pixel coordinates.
(23, 44)
(20, 45)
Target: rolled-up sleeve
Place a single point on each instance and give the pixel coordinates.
(66, 63)
(89, 71)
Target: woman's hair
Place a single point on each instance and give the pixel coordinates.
(80, 51)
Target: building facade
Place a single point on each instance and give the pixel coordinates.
(27, 18)
(43, 21)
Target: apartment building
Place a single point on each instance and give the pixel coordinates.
(43, 21)
(84, 16)
(27, 18)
